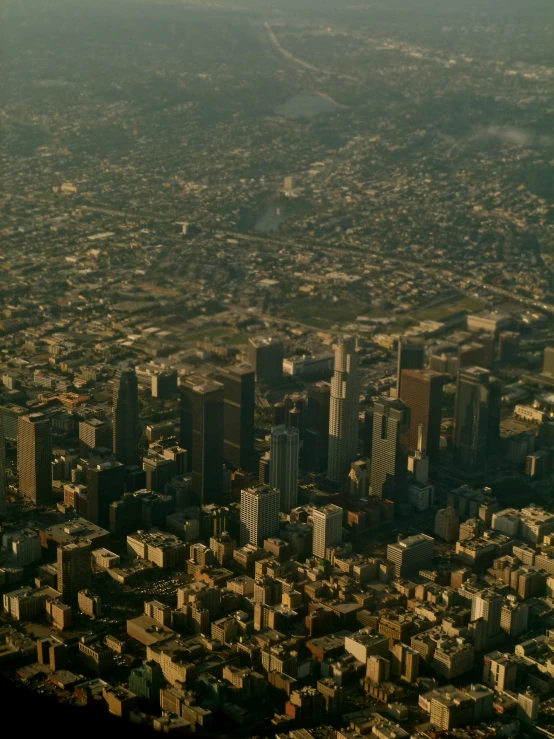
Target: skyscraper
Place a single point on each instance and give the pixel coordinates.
(283, 470)
(238, 415)
(126, 427)
(94, 433)
(422, 393)
(34, 457)
(389, 464)
(477, 419)
(411, 355)
(315, 451)
(105, 485)
(327, 528)
(74, 569)
(259, 514)
(202, 411)
(344, 410)
(3, 480)
(266, 355)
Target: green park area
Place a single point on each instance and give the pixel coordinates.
(445, 310)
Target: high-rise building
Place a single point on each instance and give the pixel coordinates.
(238, 415)
(9, 415)
(94, 433)
(477, 419)
(327, 528)
(164, 384)
(316, 427)
(266, 355)
(259, 514)
(411, 355)
(548, 361)
(126, 426)
(412, 554)
(3, 480)
(447, 524)
(34, 457)
(488, 606)
(344, 411)
(389, 465)
(105, 485)
(422, 393)
(202, 411)
(283, 472)
(74, 569)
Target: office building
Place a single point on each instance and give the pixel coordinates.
(202, 424)
(105, 484)
(411, 555)
(238, 415)
(3, 478)
(447, 524)
(34, 457)
(9, 418)
(508, 346)
(265, 355)
(488, 605)
(327, 529)
(74, 569)
(146, 681)
(389, 465)
(411, 356)
(94, 433)
(164, 384)
(316, 427)
(89, 603)
(422, 394)
(528, 706)
(126, 427)
(344, 411)
(283, 473)
(477, 419)
(548, 361)
(259, 514)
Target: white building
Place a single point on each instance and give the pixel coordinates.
(344, 410)
(327, 528)
(259, 514)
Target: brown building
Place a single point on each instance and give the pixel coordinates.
(422, 393)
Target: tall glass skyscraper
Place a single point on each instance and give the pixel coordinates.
(283, 469)
(126, 427)
(344, 411)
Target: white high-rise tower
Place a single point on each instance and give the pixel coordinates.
(283, 468)
(344, 411)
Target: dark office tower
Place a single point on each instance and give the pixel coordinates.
(74, 569)
(238, 415)
(477, 419)
(508, 346)
(92, 434)
(185, 435)
(548, 361)
(126, 427)
(422, 393)
(316, 427)
(266, 355)
(283, 473)
(411, 355)
(203, 401)
(295, 406)
(34, 457)
(279, 414)
(367, 434)
(105, 482)
(3, 480)
(389, 461)
(344, 411)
